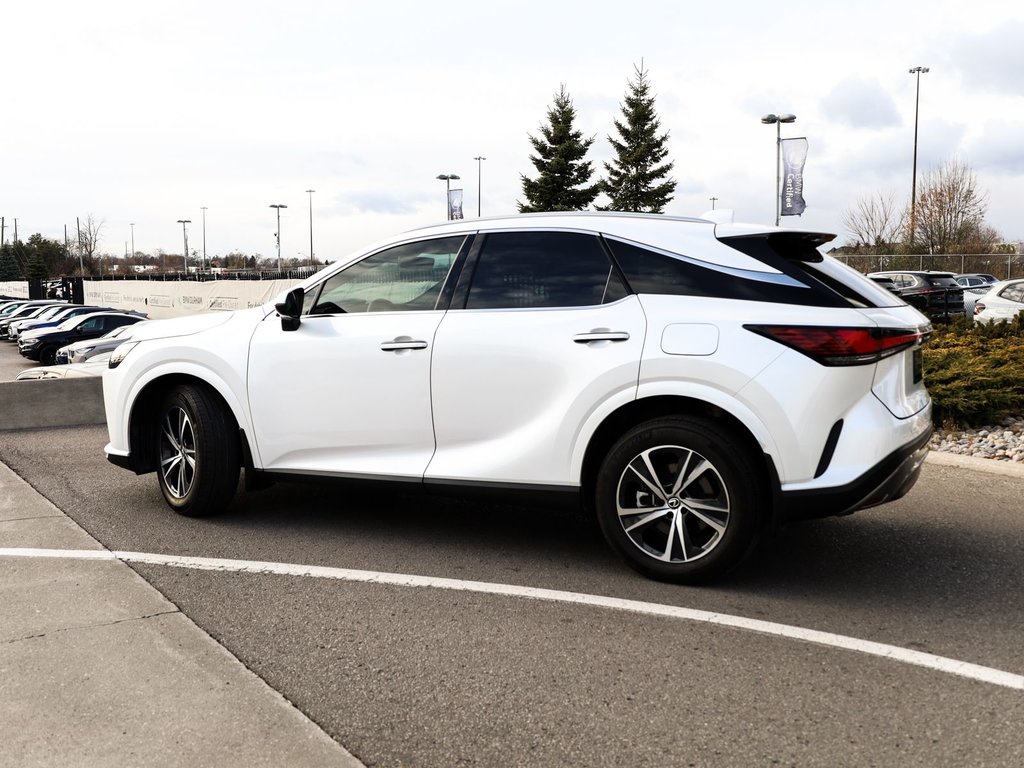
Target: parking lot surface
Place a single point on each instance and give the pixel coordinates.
(404, 674)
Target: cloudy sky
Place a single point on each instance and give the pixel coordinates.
(146, 112)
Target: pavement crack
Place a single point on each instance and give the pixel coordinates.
(100, 625)
(31, 517)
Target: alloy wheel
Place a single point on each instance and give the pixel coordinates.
(177, 452)
(673, 504)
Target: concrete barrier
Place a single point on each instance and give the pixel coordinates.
(51, 403)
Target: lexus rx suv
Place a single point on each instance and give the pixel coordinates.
(692, 384)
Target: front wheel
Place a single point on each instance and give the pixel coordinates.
(679, 499)
(199, 452)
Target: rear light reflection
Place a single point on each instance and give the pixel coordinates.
(843, 346)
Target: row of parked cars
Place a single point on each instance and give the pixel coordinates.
(944, 295)
(54, 332)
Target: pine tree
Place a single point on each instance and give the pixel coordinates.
(635, 177)
(9, 267)
(563, 177)
(36, 267)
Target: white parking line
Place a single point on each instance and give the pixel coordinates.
(892, 652)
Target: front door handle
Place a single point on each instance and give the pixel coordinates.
(600, 334)
(402, 342)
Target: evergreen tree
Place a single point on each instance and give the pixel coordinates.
(637, 177)
(9, 267)
(563, 177)
(35, 266)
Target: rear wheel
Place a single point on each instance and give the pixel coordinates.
(679, 499)
(199, 453)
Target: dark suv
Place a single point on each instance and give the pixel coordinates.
(936, 294)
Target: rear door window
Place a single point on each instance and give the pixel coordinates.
(522, 270)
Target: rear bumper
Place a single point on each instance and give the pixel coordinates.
(888, 480)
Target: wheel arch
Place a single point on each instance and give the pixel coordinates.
(142, 420)
(636, 412)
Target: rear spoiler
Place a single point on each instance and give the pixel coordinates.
(791, 245)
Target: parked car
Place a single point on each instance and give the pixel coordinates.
(936, 294)
(94, 367)
(42, 344)
(692, 384)
(10, 306)
(976, 279)
(1004, 301)
(80, 351)
(24, 312)
(975, 286)
(52, 317)
(15, 324)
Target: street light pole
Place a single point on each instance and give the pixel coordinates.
(777, 121)
(203, 208)
(184, 234)
(916, 71)
(132, 225)
(447, 178)
(279, 206)
(479, 191)
(310, 193)
(713, 199)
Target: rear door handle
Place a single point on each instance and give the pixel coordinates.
(402, 342)
(600, 334)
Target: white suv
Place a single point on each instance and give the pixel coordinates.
(692, 384)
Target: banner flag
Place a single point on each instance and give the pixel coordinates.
(794, 155)
(454, 204)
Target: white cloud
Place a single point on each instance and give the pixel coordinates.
(138, 114)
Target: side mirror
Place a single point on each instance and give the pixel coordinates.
(290, 310)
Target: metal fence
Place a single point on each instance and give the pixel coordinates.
(1004, 266)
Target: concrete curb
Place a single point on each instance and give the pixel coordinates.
(51, 403)
(991, 466)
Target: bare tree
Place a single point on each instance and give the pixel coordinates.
(875, 222)
(89, 239)
(951, 209)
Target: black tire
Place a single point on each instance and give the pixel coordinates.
(699, 505)
(48, 356)
(198, 450)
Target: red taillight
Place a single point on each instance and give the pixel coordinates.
(842, 346)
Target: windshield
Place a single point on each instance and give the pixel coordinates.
(72, 322)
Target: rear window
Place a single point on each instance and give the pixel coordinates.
(649, 271)
(941, 282)
(807, 276)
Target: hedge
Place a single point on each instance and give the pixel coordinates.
(975, 372)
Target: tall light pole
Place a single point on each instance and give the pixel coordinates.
(713, 200)
(479, 190)
(447, 178)
(203, 209)
(310, 193)
(916, 72)
(132, 225)
(777, 121)
(279, 206)
(184, 234)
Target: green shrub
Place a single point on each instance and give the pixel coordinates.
(975, 373)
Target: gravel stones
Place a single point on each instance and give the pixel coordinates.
(1003, 441)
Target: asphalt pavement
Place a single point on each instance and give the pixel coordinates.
(154, 664)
